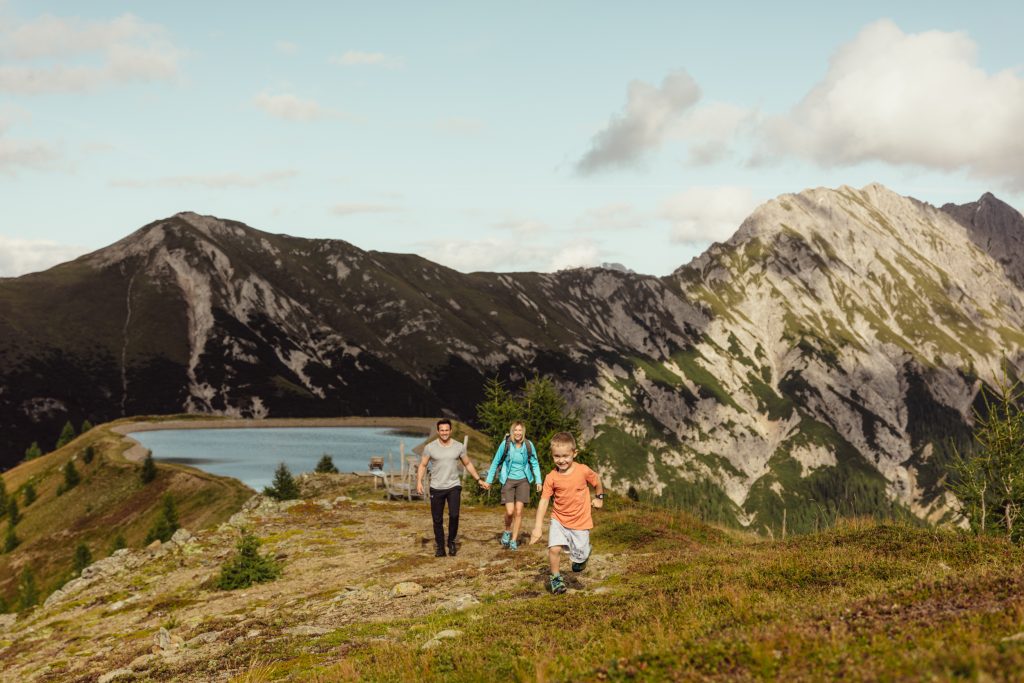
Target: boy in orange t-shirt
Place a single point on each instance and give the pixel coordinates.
(571, 520)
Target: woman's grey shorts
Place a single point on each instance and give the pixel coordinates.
(515, 491)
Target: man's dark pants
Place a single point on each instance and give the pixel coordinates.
(438, 497)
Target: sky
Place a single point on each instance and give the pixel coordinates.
(532, 137)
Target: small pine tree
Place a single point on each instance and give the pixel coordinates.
(28, 594)
(30, 494)
(67, 435)
(148, 473)
(166, 523)
(247, 566)
(118, 543)
(88, 454)
(71, 476)
(86, 426)
(3, 497)
(284, 486)
(11, 540)
(33, 451)
(83, 558)
(326, 465)
(13, 515)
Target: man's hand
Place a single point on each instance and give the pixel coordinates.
(419, 487)
(485, 486)
(597, 502)
(535, 535)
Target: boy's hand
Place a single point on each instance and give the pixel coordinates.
(535, 535)
(597, 502)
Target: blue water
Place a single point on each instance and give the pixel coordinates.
(252, 455)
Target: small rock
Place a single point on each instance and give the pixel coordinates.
(55, 597)
(406, 588)
(253, 633)
(1014, 638)
(114, 675)
(342, 499)
(462, 602)
(164, 641)
(181, 537)
(154, 545)
(443, 635)
(307, 630)
(141, 662)
(204, 638)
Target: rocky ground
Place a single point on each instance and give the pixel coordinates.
(349, 558)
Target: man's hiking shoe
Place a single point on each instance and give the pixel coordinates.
(506, 538)
(579, 566)
(557, 584)
(452, 549)
(439, 552)
(512, 545)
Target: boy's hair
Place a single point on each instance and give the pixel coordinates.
(564, 439)
(443, 421)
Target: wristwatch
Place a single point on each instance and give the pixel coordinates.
(599, 496)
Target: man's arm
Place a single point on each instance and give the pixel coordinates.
(469, 468)
(542, 508)
(419, 473)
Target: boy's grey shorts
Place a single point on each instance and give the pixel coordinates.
(515, 491)
(577, 540)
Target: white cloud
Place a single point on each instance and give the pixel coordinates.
(55, 54)
(350, 209)
(644, 123)
(580, 254)
(919, 99)
(700, 215)
(215, 181)
(356, 58)
(20, 256)
(292, 108)
(507, 253)
(613, 217)
(19, 154)
(710, 130)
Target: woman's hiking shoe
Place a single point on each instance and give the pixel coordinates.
(557, 584)
(512, 545)
(579, 566)
(506, 538)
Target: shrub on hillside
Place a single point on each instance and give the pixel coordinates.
(284, 487)
(3, 497)
(71, 478)
(86, 426)
(166, 524)
(118, 543)
(13, 514)
(11, 540)
(326, 465)
(67, 435)
(33, 451)
(88, 454)
(30, 494)
(148, 472)
(247, 566)
(28, 593)
(83, 558)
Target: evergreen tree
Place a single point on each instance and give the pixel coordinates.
(284, 487)
(30, 494)
(989, 484)
(118, 543)
(166, 523)
(13, 515)
(88, 454)
(148, 473)
(247, 566)
(326, 465)
(33, 451)
(28, 594)
(71, 476)
(83, 558)
(3, 498)
(86, 426)
(67, 435)
(11, 540)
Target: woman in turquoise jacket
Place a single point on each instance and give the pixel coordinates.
(517, 467)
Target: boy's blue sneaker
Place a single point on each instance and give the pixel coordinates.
(580, 566)
(557, 584)
(506, 538)
(512, 545)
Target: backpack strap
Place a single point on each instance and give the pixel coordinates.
(501, 458)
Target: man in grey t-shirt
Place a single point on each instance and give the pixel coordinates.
(444, 455)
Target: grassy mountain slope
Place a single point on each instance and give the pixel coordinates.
(664, 598)
(109, 500)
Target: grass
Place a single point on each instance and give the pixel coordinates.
(862, 601)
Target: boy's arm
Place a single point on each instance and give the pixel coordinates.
(599, 491)
(539, 524)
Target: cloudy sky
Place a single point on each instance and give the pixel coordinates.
(533, 137)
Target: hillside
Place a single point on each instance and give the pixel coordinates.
(819, 362)
(665, 597)
(110, 500)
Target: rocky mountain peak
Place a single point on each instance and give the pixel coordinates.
(995, 227)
